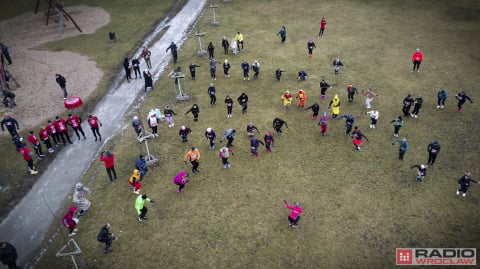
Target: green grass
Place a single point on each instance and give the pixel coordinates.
(358, 207)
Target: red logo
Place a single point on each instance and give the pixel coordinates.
(404, 256)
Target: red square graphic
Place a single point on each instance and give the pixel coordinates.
(404, 256)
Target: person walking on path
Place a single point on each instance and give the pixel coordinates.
(224, 154)
(278, 74)
(421, 172)
(269, 141)
(397, 124)
(153, 124)
(417, 106)
(192, 67)
(213, 68)
(464, 182)
(336, 65)
(239, 39)
(181, 180)
(211, 50)
(136, 68)
(76, 123)
(315, 108)
(193, 156)
(226, 68)
(27, 156)
(195, 111)
(95, 125)
(403, 147)
(8, 255)
(173, 50)
(256, 69)
(433, 150)
(109, 159)
(184, 132)
(147, 76)
(323, 123)
(225, 45)
(287, 99)
(147, 54)
(168, 112)
(358, 136)
(323, 24)
(407, 104)
(229, 104)
(417, 58)
(212, 93)
(254, 144)
(246, 69)
(141, 166)
(229, 134)
(210, 136)
(295, 211)
(11, 124)
(140, 206)
(351, 91)
(104, 236)
(79, 199)
(349, 120)
(335, 105)
(52, 131)
(128, 69)
(43, 134)
(62, 82)
(462, 98)
(310, 47)
(369, 95)
(302, 98)
(70, 222)
(373, 114)
(6, 53)
(243, 101)
(134, 181)
(441, 98)
(283, 34)
(234, 46)
(62, 130)
(36, 145)
(323, 88)
(278, 124)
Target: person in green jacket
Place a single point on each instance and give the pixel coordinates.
(140, 206)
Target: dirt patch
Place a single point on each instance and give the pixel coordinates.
(39, 96)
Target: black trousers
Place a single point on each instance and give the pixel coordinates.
(79, 129)
(432, 158)
(47, 143)
(195, 165)
(293, 221)
(111, 173)
(213, 99)
(95, 131)
(143, 212)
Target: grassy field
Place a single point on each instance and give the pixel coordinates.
(358, 206)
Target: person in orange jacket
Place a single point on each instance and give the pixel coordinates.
(193, 155)
(302, 98)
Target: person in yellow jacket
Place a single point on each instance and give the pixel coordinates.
(193, 155)
(287, 99)
(239, 38)
(134, 181)
(302, 98)
(335, 105)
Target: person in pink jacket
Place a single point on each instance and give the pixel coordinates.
(295, 211)
(180, 180)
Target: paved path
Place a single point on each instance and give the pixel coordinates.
(27, 224)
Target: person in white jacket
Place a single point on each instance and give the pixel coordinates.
(79, 199)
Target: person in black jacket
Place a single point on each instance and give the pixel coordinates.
(211, 50)
(323, 88)
(8, 255)
(11, 124)
(407, 104)
(128, 69)
(148, 79)
(106, 237)
(462, 98)
(465, 183)
(62, 82)
(315, 108)
(136, 67)
(243, 101)
(433, 150)
(225, 45)
(173, 50)
(229, 104)
(195, 111)
(184, 132)
(278, 124)
(192, 69)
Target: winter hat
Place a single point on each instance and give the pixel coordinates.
(422, 166)
(226, 61)
(209, 130)
(146, 70)
(144, 196)
(135, 118)
(193, 148)
(79, 186)
(57, 117)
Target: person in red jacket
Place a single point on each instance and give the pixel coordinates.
(75, 121)
(69, 222)
(36, 145)
(43, 134)
(93, 121)
(295, 211)
(323, 23)
(62, 130)
(52, 131)
(417, 58)
(27, 156)
(108, 158)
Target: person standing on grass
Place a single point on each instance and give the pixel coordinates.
(147, 54)
(109, 159)
(224, 154)
(95, 125)
(62, 82)
(140, 206)
(76, 123)
(225, 45)
(27, 156)
(36, 145)
(70, 222)
(141, 166)
(128, 69)
(233, 45)
(323, 88)
(211, 92)
(43, 134)
(323, 24)
(323, 123)
(8, 255)
(464, 182)
(462, 98)
(180, 180)
(239, 39)
(403, 147)
(351, 91)
(11, 124)
(302, 98)
(104, 236)
(295, 211)
(397, 124)
(213, 68)
(136, 68)
(168, 112)
(62, 130)
(229, 134)
(256, 69)
(358, 138)
(254, 143)
(137, 126)
(421, 172)
(407, 104)
(210, 136)
(173, 50)
(369, 94)
(229, 103)
(278, 74)
(211, 50)
(251, 129)
(441, 98)
(417, 58)
(417, 106)
(269, 141)
(193, 156)
(192, 67)
(246, 69)
(147, 76)
(315, 108)
(287, 99)
(278, 124)
(336, 65)
(335, 105)
(243, 101)
(302, 75)
(283, 34)
(373, 114)
(349, 120)
(79, 199)
(184, 132)
(433, 150)
(226, 68)
(134, 181)
(195, 111)
(153, 123)
(310, 47)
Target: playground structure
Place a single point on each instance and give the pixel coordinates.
(177, 75)
(200, 50)
(149, 156)
(54, 9)
(213, 7)
(72, 249)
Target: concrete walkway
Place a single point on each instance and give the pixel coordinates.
(27, 224)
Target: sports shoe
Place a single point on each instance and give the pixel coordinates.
(33, 172)
(42, 155)
(140, 219)
(294, 225)
(229, 165)
(416, 116)
(463, 194)
(438, 107)
(442, 106)
(458, 192)
(136, 192)
(71, 234)
(75, 230)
